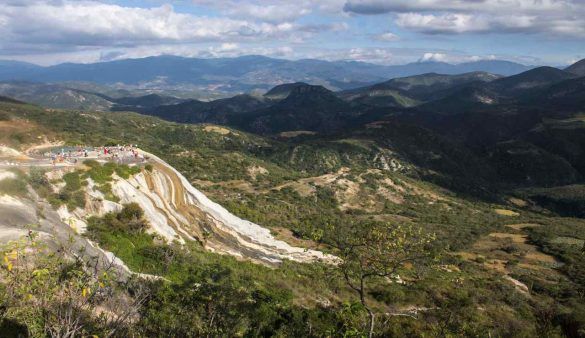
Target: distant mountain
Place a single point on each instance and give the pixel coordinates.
(516, 89)
(147, 101)
(10, 70)
(307, 107)
(221, 111)
(410, 91)
(577, 68)
(500, 67)
(241, 74)
(534, 78)
(281, 92)
(568, 95)
(54, 96)
(529, 127)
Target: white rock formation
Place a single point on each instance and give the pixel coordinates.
(176, 211)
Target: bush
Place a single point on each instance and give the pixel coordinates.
(125, 171)
(72, 181)
(50, 294)
(13, 187)
(106, 189)
(128, 221)
(100, 174)
(130, 212)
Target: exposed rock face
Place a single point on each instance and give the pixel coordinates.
(175, 211)
(178, 211)
(19, 215)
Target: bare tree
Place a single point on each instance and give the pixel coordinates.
(377, 250)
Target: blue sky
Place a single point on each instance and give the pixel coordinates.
(380, 31)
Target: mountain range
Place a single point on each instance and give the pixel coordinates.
(241, 74)
(520, 130)
(524, 129)
(488, 168)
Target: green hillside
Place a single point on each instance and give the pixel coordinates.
(300, 188)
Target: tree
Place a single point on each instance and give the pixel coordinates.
(377, 250)
(64, 293)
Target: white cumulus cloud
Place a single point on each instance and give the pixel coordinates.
(553, 17)
(90, 23)
(388, 37)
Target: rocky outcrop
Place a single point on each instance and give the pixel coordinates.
(176, 212)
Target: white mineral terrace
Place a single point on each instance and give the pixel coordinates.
(249, 234)
(169, 202)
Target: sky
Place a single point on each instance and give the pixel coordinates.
(535, 32)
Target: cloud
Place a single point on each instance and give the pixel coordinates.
(385, 6)
(111, 55)
(434, 57)
(387, 37)
(273, 11)
(229, 47)
(555, 17)
(456, 58)
(269, 13)
(52, 31)
(463, 23)
(91, 23)
(319, 28)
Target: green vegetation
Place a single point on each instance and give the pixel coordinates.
(463, 294)
(70, 195)
(59, 294)
(217, 295)
(13, 187)
(372, 251)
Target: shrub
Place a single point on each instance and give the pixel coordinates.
(130, 212)
(101, 174)
(37, 177)
(128, 221)
(126, 171)
(13, 187)
(72, 181)
(106, 189)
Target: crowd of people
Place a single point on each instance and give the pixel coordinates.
(120, 154)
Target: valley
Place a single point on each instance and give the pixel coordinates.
(296, 190)
(275, 169)
(248, 196)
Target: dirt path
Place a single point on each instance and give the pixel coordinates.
(45, 145)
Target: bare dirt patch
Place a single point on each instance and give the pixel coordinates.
(216, 129)
(306, 186)
(254, 171)
(516, 238)
(522, 226)
(512, 254)
(505, 212)
(518, 202)
(291, 134)
(288, 236)
(232, 185)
